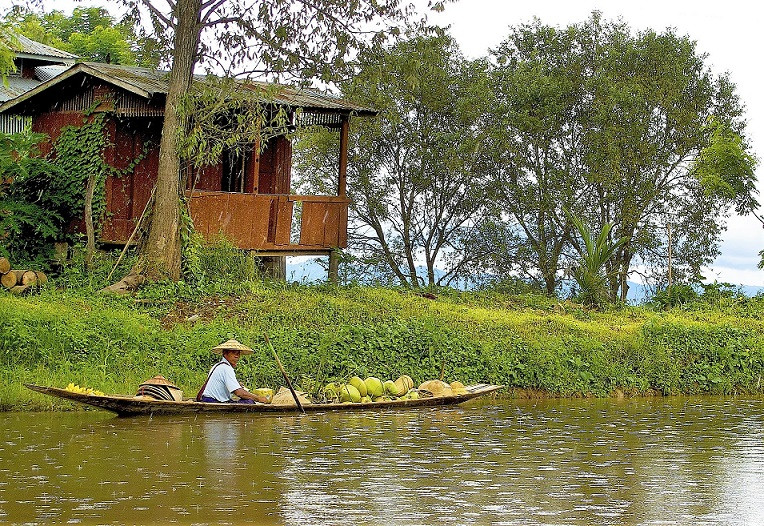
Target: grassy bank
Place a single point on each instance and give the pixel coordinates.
(322, 334)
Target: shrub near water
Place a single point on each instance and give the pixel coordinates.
(327, 334)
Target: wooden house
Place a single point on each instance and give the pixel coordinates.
(246, 197)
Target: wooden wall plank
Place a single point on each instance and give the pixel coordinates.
(283, 221)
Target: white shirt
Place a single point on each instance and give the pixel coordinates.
(222, 382)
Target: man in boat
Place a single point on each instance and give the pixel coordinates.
(221, 383)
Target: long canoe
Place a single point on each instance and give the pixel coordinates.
(129, 405)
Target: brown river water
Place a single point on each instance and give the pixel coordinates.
(641, 461)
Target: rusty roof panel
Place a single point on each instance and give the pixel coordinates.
(156, 82)
(148, 83)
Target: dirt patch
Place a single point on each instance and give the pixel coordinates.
(204, 310)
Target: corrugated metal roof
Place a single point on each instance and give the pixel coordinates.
(26, 46)
(156, 82)
(48, 72)
(148, 83)
(16, 86)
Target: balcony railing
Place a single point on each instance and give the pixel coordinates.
(264, 222)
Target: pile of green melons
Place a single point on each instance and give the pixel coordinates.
(373, 389)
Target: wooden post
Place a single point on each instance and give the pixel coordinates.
(274, 267)
(256, 168)
(342, 179)
(334, 266)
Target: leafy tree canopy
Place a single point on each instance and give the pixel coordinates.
(89, 32)
(6, 50)
(415, 189)
(621, 127)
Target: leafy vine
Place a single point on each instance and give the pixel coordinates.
(79, 153)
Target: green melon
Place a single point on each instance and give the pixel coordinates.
(348, 393)
(374, 387)
(391, 388)
(359, 384)
(332, 391)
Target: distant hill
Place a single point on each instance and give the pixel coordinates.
(310, 271)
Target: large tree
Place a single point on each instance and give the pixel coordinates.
(534, 136)
(620, 127)
(285, 38)
(415, 189)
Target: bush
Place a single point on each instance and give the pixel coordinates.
(674, 296)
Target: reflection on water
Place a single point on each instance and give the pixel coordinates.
(661, 461)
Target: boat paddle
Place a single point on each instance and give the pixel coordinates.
(283, 372)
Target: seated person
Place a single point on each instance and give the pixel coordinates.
(221, 383)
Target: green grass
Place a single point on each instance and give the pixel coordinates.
(324, 334)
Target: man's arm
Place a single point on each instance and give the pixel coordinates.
(243, 393)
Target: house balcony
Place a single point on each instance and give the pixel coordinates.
(265, 222)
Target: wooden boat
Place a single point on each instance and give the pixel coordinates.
(130, 405)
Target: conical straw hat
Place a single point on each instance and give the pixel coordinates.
(232, 345)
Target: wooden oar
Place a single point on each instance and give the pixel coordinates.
(283, 372)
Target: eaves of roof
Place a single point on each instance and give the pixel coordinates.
(148, 83)
(25, 47)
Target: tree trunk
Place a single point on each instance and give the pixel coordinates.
(550, 283)
(161, 254)
(334, 266)
(89, 230)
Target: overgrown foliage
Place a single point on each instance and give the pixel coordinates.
(7, 55)
(526, 341)
(229, 116)
(215, 262)
(41, 196)
(32, 212)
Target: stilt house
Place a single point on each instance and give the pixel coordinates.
(247, 197)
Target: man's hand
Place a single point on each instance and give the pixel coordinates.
(243, 393)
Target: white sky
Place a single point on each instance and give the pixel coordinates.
(729, 32)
